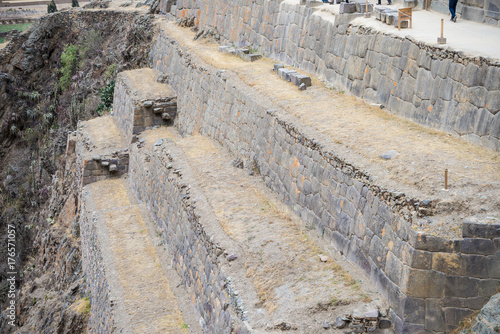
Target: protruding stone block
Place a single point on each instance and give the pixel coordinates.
(378, 12)
(251, 57)
(298, 79)
(285, 73)
(276, 67)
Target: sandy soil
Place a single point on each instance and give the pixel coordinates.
(359, 133)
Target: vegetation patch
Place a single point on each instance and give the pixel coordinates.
(106, 95)
(82, 306)
(69, 65)
(10, 27)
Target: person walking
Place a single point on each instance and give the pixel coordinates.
(453, 9)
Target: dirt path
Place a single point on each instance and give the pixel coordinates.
(145, 292)
(359, 133)
(279, 258)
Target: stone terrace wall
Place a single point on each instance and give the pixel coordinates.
(156, 178)
(123, 106)
(101, 317)
(483, 11)
(445, 90)
(136, 114)
(430, 283)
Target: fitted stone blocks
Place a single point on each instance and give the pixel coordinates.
(338, 52)
(141, 102)
(409, 268)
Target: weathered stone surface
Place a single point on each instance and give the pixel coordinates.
(477, 246)
(298, 79)
(346, 8)
(488, 319)
(288, 157)
(477, 230)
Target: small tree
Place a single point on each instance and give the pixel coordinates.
(51, 7)
(74, 3)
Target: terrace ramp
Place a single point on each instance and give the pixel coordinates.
(139, 286)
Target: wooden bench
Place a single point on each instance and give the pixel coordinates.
(405, 15)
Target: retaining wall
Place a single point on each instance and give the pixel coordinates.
(96, 287)
(439, 88)
(101, 167)
(140, 107)
(431, 283)
(156, 177)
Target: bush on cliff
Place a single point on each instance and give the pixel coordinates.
(106, 95)
(69, 64)
(74, 3)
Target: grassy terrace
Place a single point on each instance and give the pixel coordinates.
(9, 27)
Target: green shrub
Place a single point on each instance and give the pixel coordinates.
(51, 7)
(69, 65)
(74, 3)
(106, 95)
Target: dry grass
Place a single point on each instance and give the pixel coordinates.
(82, 306)
(466, 324)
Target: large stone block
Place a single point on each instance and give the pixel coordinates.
(346, 8)
(361, 6)
(414, 310)
(298, 79)
(461, 286)
(421, 260)
(425, 283)
(477, 230)
(454, 315)
(493, 263)
(285, 73)
(477, 246)
(449, 263)
(434, 315)
(434, 244)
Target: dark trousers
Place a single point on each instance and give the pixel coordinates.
(453, 7)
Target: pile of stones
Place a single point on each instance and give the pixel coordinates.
(300, 80)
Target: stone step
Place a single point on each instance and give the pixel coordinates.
(275, 262)
(140, 101)
(131, 287)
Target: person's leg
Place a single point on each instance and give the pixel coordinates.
(452, 4)
(455, 2)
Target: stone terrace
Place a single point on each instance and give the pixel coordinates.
(101, 148)
(430, 282)
(146, 102)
